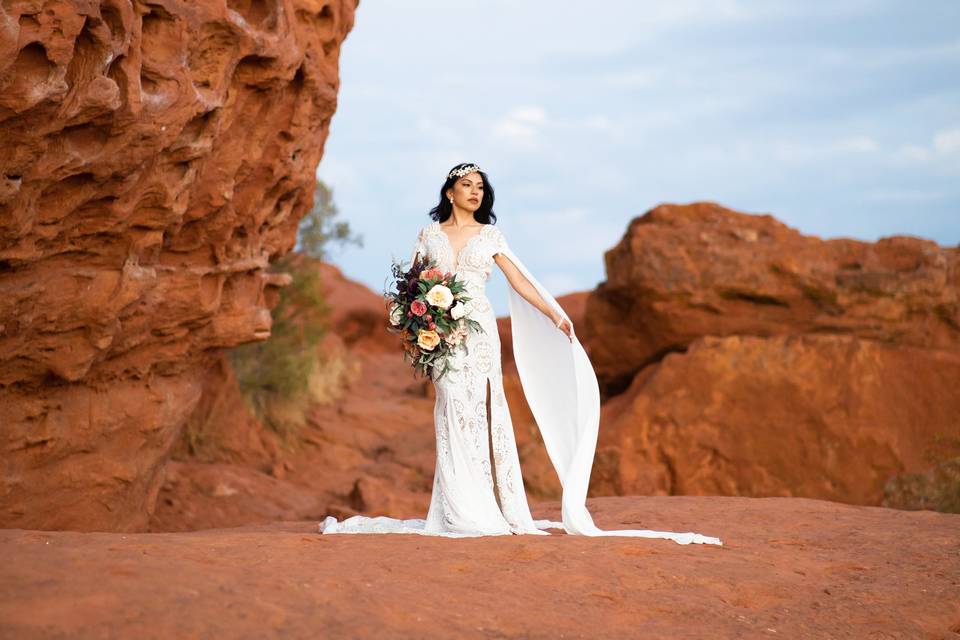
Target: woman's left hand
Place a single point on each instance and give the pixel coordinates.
(567, 329)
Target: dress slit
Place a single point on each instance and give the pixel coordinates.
(493, 464)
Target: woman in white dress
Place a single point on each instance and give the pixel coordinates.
(478, 487)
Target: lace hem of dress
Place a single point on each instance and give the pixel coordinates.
(384, 524)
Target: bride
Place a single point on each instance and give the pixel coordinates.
(477, 487)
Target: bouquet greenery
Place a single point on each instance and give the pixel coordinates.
(428, 308)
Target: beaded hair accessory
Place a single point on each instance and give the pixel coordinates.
(470, 168)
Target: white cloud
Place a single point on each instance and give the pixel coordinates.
(437, 131)
(901, 196)
(580, 235)
(598, 123)
(631, 79)
(803, 151)
(521, 127)
(559, 284)
(913, 153)
(855, 144)
(947, 140)
(941, 153)
(339, 173)
(529, 115)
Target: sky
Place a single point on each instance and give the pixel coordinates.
(839, 118)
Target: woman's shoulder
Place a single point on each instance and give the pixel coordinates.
(493, 230)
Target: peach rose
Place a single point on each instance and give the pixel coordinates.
(427, 339)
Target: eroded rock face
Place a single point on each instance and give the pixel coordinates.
(156, 157)
(685, 271)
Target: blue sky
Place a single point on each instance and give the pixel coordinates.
(839, 118)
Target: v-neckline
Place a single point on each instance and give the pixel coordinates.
(456, 258)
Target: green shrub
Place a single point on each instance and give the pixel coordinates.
(938, 488)
(275, 375)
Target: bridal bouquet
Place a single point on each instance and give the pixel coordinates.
(428, 309)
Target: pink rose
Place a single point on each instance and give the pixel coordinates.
(418, 307)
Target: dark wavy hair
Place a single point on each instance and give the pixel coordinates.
(483, 215)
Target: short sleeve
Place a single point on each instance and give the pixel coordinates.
(499, 241)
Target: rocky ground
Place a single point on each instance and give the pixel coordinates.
(788, 568)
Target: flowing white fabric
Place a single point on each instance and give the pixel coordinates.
(561, 389)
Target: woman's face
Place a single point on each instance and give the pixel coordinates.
(467, 191)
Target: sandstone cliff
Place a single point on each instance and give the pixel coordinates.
(157, 155)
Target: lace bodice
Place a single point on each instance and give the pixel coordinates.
(474, 263)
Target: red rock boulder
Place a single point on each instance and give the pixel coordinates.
(685, 271)
(818, 416)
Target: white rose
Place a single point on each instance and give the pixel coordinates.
(396, 314)
(440, 296)
(458, 310)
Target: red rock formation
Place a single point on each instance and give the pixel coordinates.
(816, 416)
(370, 450)
(357, 315)
(373, 423)
(685, 271)
(752, 360)
(157, 156)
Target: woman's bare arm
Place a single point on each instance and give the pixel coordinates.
(525, 288)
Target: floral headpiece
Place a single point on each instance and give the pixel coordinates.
(470, 168)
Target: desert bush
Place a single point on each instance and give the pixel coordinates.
(279, 377)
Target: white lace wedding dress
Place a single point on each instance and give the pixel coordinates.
(472, 495)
